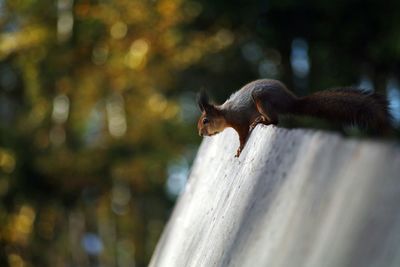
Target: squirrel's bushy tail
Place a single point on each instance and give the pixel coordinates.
(350, 106)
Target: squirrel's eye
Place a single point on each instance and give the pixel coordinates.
(205, 121)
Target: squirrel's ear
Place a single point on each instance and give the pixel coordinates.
(203, 100)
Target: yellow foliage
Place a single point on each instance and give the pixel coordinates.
(97, 111)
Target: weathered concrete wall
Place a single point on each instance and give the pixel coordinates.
(293, 198)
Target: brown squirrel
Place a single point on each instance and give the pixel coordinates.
(261, 101)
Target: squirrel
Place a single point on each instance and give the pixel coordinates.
(261, 101)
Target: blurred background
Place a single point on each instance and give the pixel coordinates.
(98, 113)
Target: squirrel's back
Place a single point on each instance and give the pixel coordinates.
(241, 107)
(242, 99)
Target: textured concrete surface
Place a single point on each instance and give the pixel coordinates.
(293, 198)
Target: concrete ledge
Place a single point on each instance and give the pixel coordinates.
(293, 198)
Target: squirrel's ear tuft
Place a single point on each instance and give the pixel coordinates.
(203, 100)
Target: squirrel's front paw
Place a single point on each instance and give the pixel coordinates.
(238, 152)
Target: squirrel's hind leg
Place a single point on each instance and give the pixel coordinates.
(260, 119)
(268, 115)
